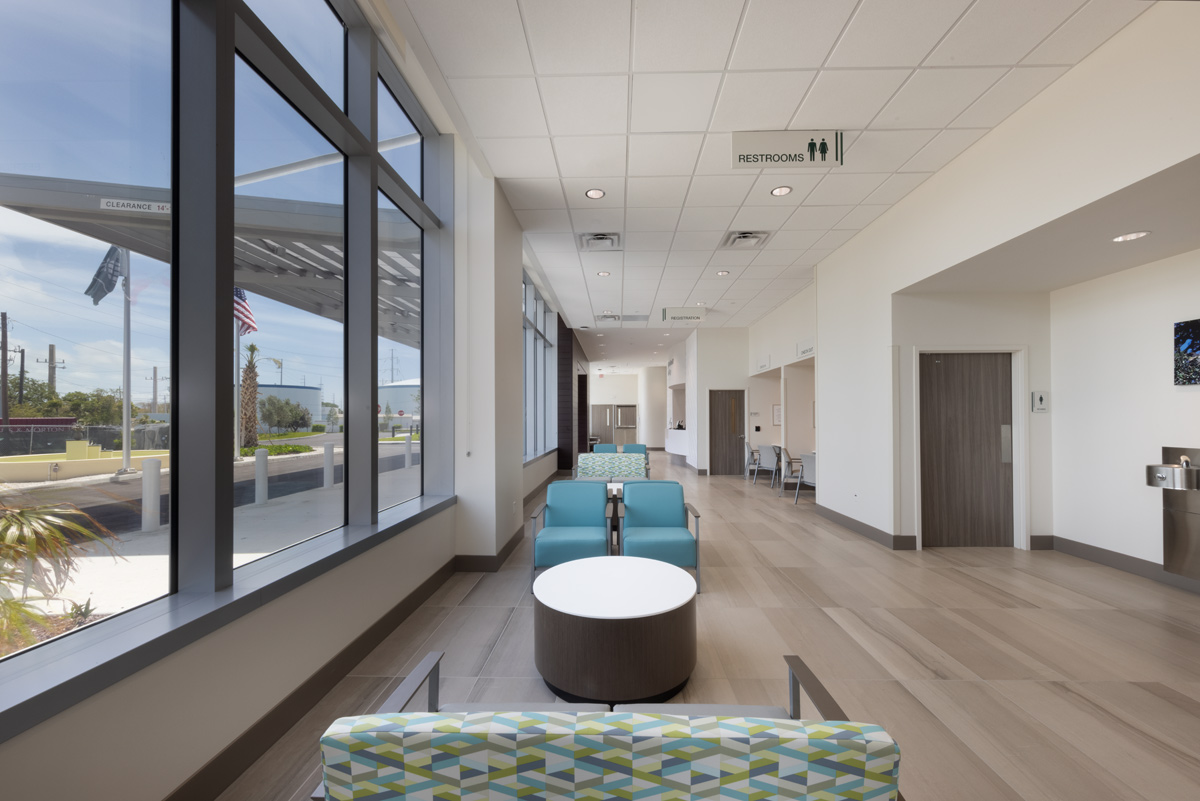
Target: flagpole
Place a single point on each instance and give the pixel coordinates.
(126, 371)
(237, 392)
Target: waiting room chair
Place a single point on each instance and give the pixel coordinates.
(792, 469)
(777, 467)
(574, 524)
(599, 448)
(655, 525)
(753, 462)
(638, 448)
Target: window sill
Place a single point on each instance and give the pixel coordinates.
(49, 678)
(539, 457)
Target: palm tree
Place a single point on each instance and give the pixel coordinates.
(249, 398)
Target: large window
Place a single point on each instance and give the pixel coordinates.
(215, 348)
(540, 333)
(85, 294)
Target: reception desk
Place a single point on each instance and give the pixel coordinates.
(677, 442)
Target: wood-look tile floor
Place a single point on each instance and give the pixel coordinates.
(1003, 674)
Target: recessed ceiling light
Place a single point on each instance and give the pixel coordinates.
(595, 194)
(722, 272)
(666, 335)
(599, 335)
(659, 345)
(603, 273)
(1131, 236)
(780, 191)
(608, 311)
(699, 303)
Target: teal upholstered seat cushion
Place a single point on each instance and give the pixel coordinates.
(671, 544)
(558, 544)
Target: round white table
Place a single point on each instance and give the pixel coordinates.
(615, 629)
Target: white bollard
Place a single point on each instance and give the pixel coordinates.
(408, 450)
(151, 488)
(260, 475)
(329, 464)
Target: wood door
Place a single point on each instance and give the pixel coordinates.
(726, 432)
(966, 449)
(603, 421)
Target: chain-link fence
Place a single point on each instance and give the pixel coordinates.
(30, 439)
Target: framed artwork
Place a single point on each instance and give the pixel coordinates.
(776, 414)
(1187, 352)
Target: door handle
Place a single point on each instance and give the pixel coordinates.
(608, 417)
(1006, 444)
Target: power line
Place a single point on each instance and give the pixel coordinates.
(80, 344)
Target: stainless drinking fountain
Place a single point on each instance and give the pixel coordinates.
(1181, 509)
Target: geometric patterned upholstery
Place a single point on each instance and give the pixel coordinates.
(599, 755)
(607, 465)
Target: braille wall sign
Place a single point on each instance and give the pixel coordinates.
(754, 150)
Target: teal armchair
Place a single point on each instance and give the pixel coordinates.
(604, 448)
(574, 523)
(655, 525)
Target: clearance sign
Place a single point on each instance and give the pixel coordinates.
(754, 150)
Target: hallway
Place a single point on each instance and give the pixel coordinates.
(1002, 674)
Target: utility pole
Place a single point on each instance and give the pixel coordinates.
(53, 366)
(4, 368)
(21, 377)
(154, 397)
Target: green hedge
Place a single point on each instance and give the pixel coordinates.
(279, 450)
(318, 428)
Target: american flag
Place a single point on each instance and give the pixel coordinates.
(242, 313)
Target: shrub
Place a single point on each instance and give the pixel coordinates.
(318, 428)
(278, 450)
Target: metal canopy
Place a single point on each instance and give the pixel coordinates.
(286, 250)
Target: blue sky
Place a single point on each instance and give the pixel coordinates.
(85, 89)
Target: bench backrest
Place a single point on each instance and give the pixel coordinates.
(607, 465)
(426, 755)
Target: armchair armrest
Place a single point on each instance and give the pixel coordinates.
(692, 510)
(427, 668)
(536, 514)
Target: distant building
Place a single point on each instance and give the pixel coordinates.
(403, 398)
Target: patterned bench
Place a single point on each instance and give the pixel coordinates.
(599, 755)
(611, 465)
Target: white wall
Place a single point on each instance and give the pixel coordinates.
(508, 393)
(652, 406)
(691, 400)
(150, 732)
(762, 392)
(990, 321)
(1050, 157)
(778, 338)
(613, 389)
(537, 471)
(720, 363)
(1114, 403)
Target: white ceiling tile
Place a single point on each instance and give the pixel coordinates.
(719, 190)
(897, 187)
(885, 151)
(801, 184)
(944, 148)
(576, 189)
(500, 106)
(793, 240)
(645, 259)
(812, 256)
(663, 154)
(597, 221)
(706, 218)
(776, 258)
(742, 293)
(649, 240)
(642, 192)
(694, 260)
(533, 193)
(886, 33)
(844, 189)
(674, 102)
(932, 98)
(519, 158)
(761, 218)
(842, 99)
(472, 38)
(577, 38)
(684, 273)
(732, 258)
(1091, 26)
(674, 288)
(759, 101)
(1000, 31)
(544, 221)
(592, 104)
(734, 270)
(762, 272)
(750, 284)
(584, 156)
(716, 156)
(683, 35)
(561, 261)
(835, 239)
(709, 290)
(550, 243)
(1011, 92)
(785, 34)
(816, 218)
(611, 262)
(636, 290)
(797, 274)
(697, 240)
(860, 217)
(651, 219)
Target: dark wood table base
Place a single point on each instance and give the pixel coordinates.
(661, 698)
(615, 660)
